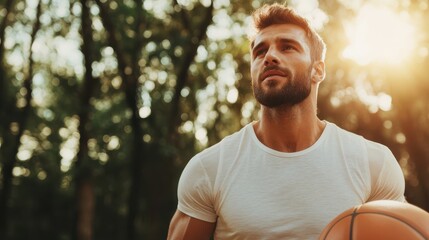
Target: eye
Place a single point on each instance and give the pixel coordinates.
(287, 47)
(259, 52)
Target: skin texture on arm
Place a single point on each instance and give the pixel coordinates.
(183, 226)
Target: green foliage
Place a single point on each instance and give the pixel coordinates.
(215, 101)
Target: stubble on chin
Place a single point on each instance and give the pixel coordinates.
(293, 91)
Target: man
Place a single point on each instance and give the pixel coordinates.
(289, 174)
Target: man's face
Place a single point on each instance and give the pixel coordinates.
(281, 66)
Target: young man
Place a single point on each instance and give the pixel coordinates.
(289, 174)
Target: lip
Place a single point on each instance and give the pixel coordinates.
(271, 73)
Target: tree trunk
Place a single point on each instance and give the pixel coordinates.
(182, 75)
(130, 86)
(84, 192)
(3, 85)
(85, 198)
(9, 151)
(160, 195)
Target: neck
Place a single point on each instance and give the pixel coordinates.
(289, 128)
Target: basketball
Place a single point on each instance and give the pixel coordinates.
(378, 220)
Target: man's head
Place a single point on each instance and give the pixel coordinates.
(287, 57)
(278, 14)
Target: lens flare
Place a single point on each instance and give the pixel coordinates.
(378, 34)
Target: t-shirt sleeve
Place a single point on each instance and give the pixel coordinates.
(386, 175)
(195, 192)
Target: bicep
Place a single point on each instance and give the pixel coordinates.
(387, 179)
(183, 226)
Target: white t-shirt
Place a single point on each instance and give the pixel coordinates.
(254, 192)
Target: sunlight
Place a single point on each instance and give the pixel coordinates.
(310, 9)
(378, 34)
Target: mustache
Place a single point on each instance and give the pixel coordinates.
(285, 71)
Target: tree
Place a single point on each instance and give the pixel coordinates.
(124, 93)
(83, 177)
(10, 150)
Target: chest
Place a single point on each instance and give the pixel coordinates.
(292, 200)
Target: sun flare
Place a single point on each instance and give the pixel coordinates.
(378, 34)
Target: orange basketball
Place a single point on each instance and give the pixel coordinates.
(378, 220)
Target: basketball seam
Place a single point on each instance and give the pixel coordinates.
(329, 230)
(354, 214)
(327, 233)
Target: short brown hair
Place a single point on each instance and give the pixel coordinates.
(276, 13)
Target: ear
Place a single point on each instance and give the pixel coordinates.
(318, 71)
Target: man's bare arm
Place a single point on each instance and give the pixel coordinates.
(183, 226)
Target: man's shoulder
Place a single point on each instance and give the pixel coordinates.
(232, 139)
(344, 133)
(217, 155)
(228, 143)
(348, 135)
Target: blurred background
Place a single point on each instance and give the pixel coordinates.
(102, 102)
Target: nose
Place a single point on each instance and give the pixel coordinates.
(271, 58)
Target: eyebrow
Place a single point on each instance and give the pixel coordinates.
(290, 41)
(254, 48)
(278, 40)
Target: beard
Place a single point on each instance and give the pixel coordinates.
(294, 91)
